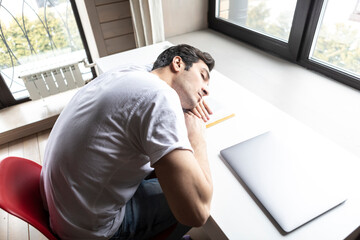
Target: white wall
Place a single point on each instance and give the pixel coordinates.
(183, 16)
(180, 17)
(89, 34)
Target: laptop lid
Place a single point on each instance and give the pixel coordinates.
(290, 178)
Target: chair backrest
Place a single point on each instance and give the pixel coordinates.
(20, 193)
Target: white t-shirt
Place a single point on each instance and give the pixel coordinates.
(103, 145)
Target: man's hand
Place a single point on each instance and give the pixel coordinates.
(202, 110)
(196, 129)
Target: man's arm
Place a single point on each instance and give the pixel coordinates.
(185, 177)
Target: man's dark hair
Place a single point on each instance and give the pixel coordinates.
(188, 54)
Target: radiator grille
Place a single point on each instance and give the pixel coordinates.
(52, 81)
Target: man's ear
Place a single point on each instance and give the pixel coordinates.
(176, 63)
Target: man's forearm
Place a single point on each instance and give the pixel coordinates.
(200, 153)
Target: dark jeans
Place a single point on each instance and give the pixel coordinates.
(148, 214)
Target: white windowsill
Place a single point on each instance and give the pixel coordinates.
(31, 117)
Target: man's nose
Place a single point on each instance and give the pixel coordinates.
(205, 91)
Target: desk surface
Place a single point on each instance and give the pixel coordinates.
(234, 214)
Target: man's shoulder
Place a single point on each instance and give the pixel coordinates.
(131, 67)
(149, 83)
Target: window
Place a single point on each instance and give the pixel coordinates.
(36, 34)
(272, 17)
(337, 39)
(323, 35)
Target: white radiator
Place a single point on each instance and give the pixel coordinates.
(48, 82)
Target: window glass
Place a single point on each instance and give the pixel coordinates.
(36, 34)
(269, 17)
(337, 41)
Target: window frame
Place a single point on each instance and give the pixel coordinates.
(6, 97)
(303, 29)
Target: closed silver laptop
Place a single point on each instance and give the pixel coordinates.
(292, 179)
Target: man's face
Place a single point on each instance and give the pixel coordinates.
(192, 85)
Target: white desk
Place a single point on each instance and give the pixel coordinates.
(234, 214)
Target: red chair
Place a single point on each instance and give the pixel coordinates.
(20, 193)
